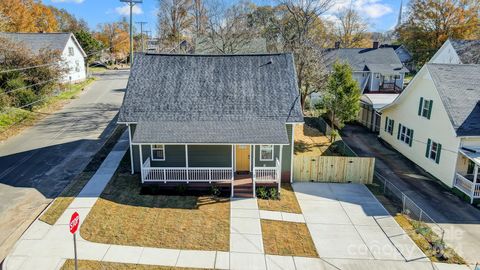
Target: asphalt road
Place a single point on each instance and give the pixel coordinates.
(460, 220)
(37, 164)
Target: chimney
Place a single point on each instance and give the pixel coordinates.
(375, 44)
(337, 44)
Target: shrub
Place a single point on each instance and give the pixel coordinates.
(181, 189)
(273, 193)
(23, 97)
(215, 191)
(262, 193)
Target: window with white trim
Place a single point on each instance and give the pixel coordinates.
(405, 134)
(158, 152)
(425, 108)
(389, 125)
(71, 52)
(77, 66)
(266, 152)
(434, 150)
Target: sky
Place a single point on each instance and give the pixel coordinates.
(381, 15)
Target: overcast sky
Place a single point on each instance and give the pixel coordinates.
(381, 15)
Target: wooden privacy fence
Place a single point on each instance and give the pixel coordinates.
(333, 169)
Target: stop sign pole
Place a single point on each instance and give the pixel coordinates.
(74, 222)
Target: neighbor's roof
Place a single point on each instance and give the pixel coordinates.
(467, 50)
(165, 88)
(38, 41)
(381, 60)
(205, 45)
(378, 101)
(459, 91)
(241, 132)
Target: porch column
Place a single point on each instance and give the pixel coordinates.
(141, 161)
(130, 145)
(292, 143)
(475, 176)
(280, 176)
(233, 169)
(253, 173)
(186, 159)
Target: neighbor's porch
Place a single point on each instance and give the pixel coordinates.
(467, 176)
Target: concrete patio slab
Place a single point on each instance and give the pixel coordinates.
(156, 256)
(244, 213)
(324, 213)
(123, 254)
(249, 243)
(378, 243)
(222, 261)
(198, 259)
(338, 241)
(312, 263)
(245, 225)
(247, 261)
(280, 262)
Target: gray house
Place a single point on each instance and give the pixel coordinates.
(377, 70)
(212, 119)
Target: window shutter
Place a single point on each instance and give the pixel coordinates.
(430, 108)
(439, 151)
(386, 124)
(427, 152)
(411, 137)
(420, 106)
(393, 125)
(399, 128)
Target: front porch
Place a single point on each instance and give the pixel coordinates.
(467, 175)
(220, 165)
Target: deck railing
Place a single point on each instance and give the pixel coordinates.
(267, 175)
(467, 186)
(184, 174)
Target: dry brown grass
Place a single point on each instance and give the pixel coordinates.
(96, 265)
(287, 239)
(424, 241)
(124, 216)
(287, 202)
(310, 141)
(65, 198)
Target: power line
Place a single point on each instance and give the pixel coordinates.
(28, 86)
(26, 68)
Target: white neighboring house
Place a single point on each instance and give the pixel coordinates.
(73, 56)
(435, 123)
(458, 52)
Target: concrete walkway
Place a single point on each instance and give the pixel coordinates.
(47, 247)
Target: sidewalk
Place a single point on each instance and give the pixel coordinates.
(47, 247)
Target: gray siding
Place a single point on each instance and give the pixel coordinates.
(210, 155)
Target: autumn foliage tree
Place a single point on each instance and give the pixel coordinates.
(351, 31)
(115, 38)
(431, 22)
(27, 16)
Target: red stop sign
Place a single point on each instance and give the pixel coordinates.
(74, 222)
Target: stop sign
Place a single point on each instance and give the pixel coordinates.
(74, 222)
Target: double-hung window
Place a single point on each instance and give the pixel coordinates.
(405, 134)
(389, 124)
(158, 152)
(266, 152)
(425, 108)
(434, 150)
(71, 52)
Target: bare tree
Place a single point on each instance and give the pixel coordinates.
(199, 14)
(351, 30)
(301, 31)
(174, 20)
(227, 29)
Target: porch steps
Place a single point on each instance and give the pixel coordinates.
(243, 186)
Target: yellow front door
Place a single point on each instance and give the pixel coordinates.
(242, 158)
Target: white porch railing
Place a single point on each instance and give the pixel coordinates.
(267, 175)
(183, 174)
(467, 186)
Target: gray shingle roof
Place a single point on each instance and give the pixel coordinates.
(467, 50)
(241, 132)
(459, 89)
(381, 60)
(38, 41)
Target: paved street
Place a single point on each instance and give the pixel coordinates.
(460, 220)
(38, 163)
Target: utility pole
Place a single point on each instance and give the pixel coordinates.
(147, 32)
(131, 3)
(141, 34)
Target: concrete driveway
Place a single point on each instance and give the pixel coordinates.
(347, 222)
(460, 220)
(37, 164)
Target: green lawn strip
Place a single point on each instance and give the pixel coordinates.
(62, 202)
(96, 265)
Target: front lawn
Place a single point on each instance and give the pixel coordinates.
(287, 239)
(287, 202)
(124, 216)
(96, 265)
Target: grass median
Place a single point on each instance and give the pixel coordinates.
(96, 265)
(287, 239)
